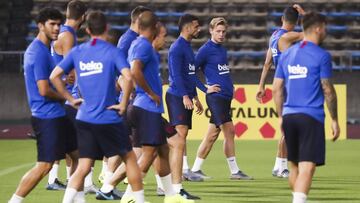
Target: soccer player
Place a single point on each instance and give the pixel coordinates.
(124, 44)
(180, 96)
(305, 72)
(106, 192)
(99, 126)
(280, 40)
(48, 118)
(148, 107)
(212, 60)
(75, 16)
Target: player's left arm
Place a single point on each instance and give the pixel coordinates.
(331, 103)
(329, 92)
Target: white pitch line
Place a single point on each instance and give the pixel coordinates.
(15, 168)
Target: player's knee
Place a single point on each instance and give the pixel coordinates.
(213, 137)
(82, 171)
(44, 168)
(182, 131)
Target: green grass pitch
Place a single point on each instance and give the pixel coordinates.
(338, 181)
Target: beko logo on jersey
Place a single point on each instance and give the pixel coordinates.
(223, 69)
(191, 69)
(91, 68)
(296, 72)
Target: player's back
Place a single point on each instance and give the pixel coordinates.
(96, 71)
(304, 65)
(125, 41)
(274, 45)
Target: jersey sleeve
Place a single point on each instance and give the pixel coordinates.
(200, 59)
(176, 66)
(120, 60)
(326, 66)
(67, 64)
(41, 67)
(279, 73)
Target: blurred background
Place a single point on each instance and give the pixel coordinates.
(251, 24)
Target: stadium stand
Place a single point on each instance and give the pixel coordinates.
(251, 24)
(14, 18)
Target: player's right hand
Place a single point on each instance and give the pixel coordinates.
(299, 9)
(188, 104)
(76, 102)
(259, 95)
(213, 89)
(335, 130)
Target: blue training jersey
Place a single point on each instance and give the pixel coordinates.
(141, 49)
(302, 66)
(273, 45)
(125, 41)
(182, 71)
(97, 64)
(57, 58)
(124, 44)
(38, 65)
(213, 61)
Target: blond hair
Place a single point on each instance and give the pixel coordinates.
(218, 21)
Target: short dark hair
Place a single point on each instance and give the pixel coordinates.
(48, 13)
(291, 15)
(75, 9)
(147, 20)
(135, 13)
(96, 22)
(186, 19)
(312, 19)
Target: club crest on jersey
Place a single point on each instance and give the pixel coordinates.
(223, 69)
(274, 52)
(90, 68)
(296, 72)
(191, 69)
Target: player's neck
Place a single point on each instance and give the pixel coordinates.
(312, 38)
(186, 36)
(43, 38)
(102, 37)
(134, 28)
(214, 41)
(147, 35)
(288, 27)
(72, 23)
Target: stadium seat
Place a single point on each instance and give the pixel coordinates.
(117, 14)
(119, 27)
